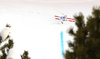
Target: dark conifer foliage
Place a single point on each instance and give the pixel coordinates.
(4, 50)
(86, 43)
(6, 47)
(25, 55)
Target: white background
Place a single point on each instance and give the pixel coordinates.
(32, 28)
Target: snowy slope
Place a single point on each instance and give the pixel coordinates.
(32, 28)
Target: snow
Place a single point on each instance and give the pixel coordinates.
(32, 28)
(4, 33)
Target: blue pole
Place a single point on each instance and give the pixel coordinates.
(62, 45)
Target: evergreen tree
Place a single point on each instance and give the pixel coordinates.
(6, 47)
(25, 55)
(87, 37)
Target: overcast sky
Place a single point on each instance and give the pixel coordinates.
(32, 27)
